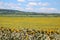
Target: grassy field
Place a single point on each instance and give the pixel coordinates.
(38, 23)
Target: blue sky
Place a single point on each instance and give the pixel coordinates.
(47, 6)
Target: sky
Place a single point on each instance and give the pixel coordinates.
(45, 6)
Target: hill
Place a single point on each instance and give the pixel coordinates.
(8, 12)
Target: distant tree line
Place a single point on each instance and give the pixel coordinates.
(16, 12)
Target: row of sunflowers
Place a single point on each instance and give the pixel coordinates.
(28, 34)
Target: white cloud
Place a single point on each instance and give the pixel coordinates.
(20, 0)
(15, 6)
(50, 10)
(19, 8)
(59, 12)
(33, 4)
(29, 8)
(1, 3)
(10, 6)
(31, 0)
(30, 4)
(43, 4)
(43, 8)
